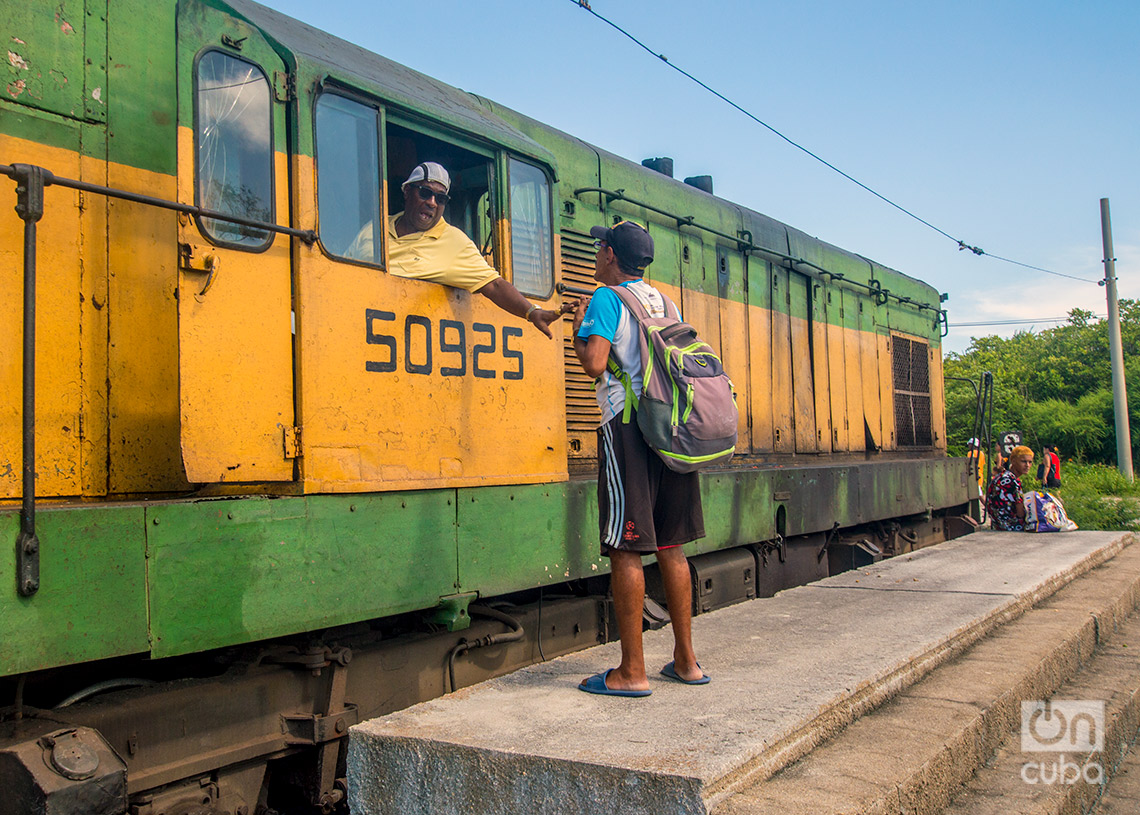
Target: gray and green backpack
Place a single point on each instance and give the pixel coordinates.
(687, 409)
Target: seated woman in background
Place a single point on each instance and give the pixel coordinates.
(1004, 496)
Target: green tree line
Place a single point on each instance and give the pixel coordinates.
(1055, 386)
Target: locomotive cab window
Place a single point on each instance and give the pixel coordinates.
(234, 147)
(348, 179)
(470, 202)
(531, 235)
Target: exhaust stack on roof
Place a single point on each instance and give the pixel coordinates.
(701, 182)
(661, 165)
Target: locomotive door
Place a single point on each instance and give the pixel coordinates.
(783, 404)
(800, 321)
(761, 384)
(700, 304)
(734, 335)
(235, 351)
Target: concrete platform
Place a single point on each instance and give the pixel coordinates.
(952, 741)
(788, 673)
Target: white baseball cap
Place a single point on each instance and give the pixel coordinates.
(429, 171)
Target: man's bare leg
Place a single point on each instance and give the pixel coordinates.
(679, 597)
(627, 581)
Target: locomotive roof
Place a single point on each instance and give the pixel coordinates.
(395, 83)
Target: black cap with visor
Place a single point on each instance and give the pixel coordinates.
(630, 241)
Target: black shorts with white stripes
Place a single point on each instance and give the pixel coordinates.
(643, 506)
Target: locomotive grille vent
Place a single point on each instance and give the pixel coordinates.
(582, 414)
(910, 361)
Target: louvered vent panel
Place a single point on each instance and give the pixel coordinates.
(582, 414)
(910, 363)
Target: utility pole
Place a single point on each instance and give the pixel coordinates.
(1116, 352)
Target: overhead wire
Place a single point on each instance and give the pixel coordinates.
(962, 245)
(1022, 322)
(1039, 269)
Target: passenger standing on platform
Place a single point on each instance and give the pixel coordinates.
(1004, 496)
(644, 507)
(1045, 468)
(1055, 480)
(977, 459)
(1000, 462)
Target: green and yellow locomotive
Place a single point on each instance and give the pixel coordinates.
(253, 484)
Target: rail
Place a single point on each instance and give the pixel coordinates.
(744, 243)
(30, 183)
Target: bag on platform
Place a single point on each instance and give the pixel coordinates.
(1046, 513)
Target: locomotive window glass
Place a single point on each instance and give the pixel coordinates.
(235, 150)
(471, 197)
(348, 179)
(531, 246)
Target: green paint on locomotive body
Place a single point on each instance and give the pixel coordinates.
(231, 571)
(106, 68)
(93, 587)
(57, 57)
(41, 127)
(142, 100)
(184, 577)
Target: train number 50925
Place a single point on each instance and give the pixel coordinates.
(426, 344)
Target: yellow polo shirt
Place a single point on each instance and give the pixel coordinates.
(442, 254)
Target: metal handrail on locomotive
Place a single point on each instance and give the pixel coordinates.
(258, 488)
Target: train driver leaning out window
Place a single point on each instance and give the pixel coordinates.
(421, 244)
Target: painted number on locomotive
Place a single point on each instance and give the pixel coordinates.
(445, 344)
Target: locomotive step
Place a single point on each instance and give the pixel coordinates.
(789, 673)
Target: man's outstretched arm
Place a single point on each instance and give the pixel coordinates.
(511, 300)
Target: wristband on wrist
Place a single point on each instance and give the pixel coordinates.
(533, 308)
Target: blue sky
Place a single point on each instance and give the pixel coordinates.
(1001, 122)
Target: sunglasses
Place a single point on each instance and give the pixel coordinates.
(598, 244)
(427, 193)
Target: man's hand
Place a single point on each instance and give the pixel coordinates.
(579, 309)
(594, 352)
(543, 317)
(510, 300)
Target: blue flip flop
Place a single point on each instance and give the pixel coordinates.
(597, 684)
(671, 672)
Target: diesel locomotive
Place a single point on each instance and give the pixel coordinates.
(256, 489)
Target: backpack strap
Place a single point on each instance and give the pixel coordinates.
(630, 397)
(632, 302)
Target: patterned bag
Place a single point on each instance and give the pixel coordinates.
(687, 410)
(1046, 513)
